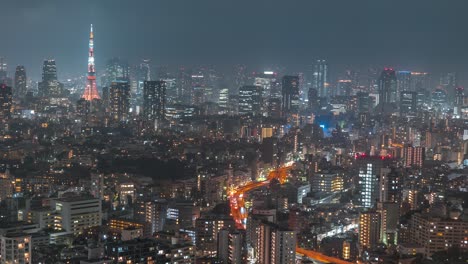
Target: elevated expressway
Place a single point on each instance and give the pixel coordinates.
(240, 214)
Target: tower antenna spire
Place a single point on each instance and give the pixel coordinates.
(91, 92)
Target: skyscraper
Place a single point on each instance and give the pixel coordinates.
(154, 100)
(290, 91)
(408, 102)
(369, 229)
(370, 169)
(320, 77)
(91, 92)
(387, 88)
(404, 81)
(5, 101)
(274, 244)
(119, 100)
(250, 100)
(49, 86)
(20, 82)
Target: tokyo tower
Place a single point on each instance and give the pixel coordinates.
(91, 92)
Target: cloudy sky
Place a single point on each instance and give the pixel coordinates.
(412, 34)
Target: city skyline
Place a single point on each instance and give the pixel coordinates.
(359, 33)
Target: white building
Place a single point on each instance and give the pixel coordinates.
(78, 213)
(16, 248)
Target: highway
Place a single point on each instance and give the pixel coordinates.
(240, 214)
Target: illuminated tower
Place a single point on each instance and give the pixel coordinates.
(91, 92)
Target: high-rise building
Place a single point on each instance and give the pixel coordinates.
(389, 216)
(363, 102)
(390, 185)
(274, 108)
(78, 213)
(404, 80)
(116, 70)
(154, 100)
(155, 213)
(344, 88)
(143, 74)
(265, 80)
(250, 100)
(290, 91)
(320, 77)
(230, 246)
(387, 87)
(274, 244)
(6, 101)
(49, 86)
(119, 100)
(414, 156)
(91, 92)
(408, 103)
(20, 82)
(207, 228)
(370, 169)
(369, 229)
(15, 248)
(313, 99)
(3, 71)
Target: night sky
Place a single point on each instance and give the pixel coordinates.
(427, 35)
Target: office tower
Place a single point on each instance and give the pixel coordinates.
(49, 86)
(436, 233)
(369, 229)
(154, 100)
(119, 100)
(274, 108)
(196, 89)
(408, 103)
(106, 97)
(421, 81)
(78, 213)
(250, 100)
(404, 81)
(363, 102)
(387, 88)
(290, 92)
(313, 99)
(223, 100)
(344, 88)
(116, 70)
(3, 71)
(171, 90)
(413, 156)
(6, 101)
(16, 248)
(265, 80)
(143, 74)
(320, 77)
(274, 244)
(370, 169)
(459, 96)
(20, 82)
(91, 92)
